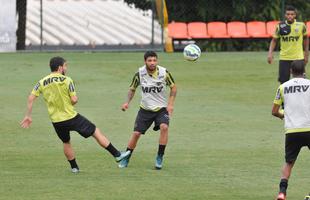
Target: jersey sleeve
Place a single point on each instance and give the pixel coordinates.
(135, 82)
(278, 100)
(277, 32)
(36, 91)
(71, 87)
(169, 79)
(304, 30)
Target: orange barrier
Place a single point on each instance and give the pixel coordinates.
(197, 30)
(271, 27)
(178, 30)
(257, 29)
(308, 27)
(237, 30)
(222, 30)
(217, 30)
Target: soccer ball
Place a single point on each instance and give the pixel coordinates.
(191, 52)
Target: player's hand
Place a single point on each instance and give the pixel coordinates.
(26, 122)
(170, 110)
(125, 106)
(270, 58)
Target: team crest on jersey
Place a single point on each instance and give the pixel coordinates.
(296, 30)
(158, 83)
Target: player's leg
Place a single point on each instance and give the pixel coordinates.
(64, 135)
(162, 120)
(143, 121)
(86, 129)
(69, 153)
(132, 143)
(103, 141)
(293, 144)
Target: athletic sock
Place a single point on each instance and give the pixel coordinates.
(283, 185)
(73, 164)
(131, 150)
(161, 150)
(110, 148)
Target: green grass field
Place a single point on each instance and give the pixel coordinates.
(224, 143)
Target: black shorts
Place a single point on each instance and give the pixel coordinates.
(284, 70)
(293, 143)
(145, 119)
(79, 124)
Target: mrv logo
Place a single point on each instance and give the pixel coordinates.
(290, 38)
(296, 88)
(53, 79)
(152, 89)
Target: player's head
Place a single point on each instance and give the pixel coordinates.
(290, 13)
(298, 68)
(58, 64)
(150, 60)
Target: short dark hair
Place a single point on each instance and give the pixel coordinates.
(298, 67)
(290, 8)
(55, 62)
(149, 54)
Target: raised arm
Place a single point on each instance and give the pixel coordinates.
(26, 122)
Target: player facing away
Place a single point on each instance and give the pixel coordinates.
(294, 43)
(295, 94)
(154, 107)
(59, 94)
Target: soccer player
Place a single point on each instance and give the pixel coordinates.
(294, 43)
(154, 106)
(295, 94)
(60, 97)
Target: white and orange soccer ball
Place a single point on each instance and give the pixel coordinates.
(191, 52)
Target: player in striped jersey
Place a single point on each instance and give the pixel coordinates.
(154, 107)
(295, 94)
(60, 97)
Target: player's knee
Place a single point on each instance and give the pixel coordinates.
(136, 134)
(164, 127)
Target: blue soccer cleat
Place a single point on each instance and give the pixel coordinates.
(123, 163)
(159, 162)
(123, 156)
(75, 170)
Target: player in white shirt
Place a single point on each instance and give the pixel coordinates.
(154, 107)
(295, 95)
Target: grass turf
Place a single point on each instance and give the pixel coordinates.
(223, 143)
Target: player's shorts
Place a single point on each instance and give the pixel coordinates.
(79, 124)
(293, 143)
(145, 119)
(284, 70)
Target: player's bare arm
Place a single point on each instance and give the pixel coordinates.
(26, 122)
(272, 46)
(275, 111)
(130, 95)
(74, 100)
(173, 94)
(306, 49)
